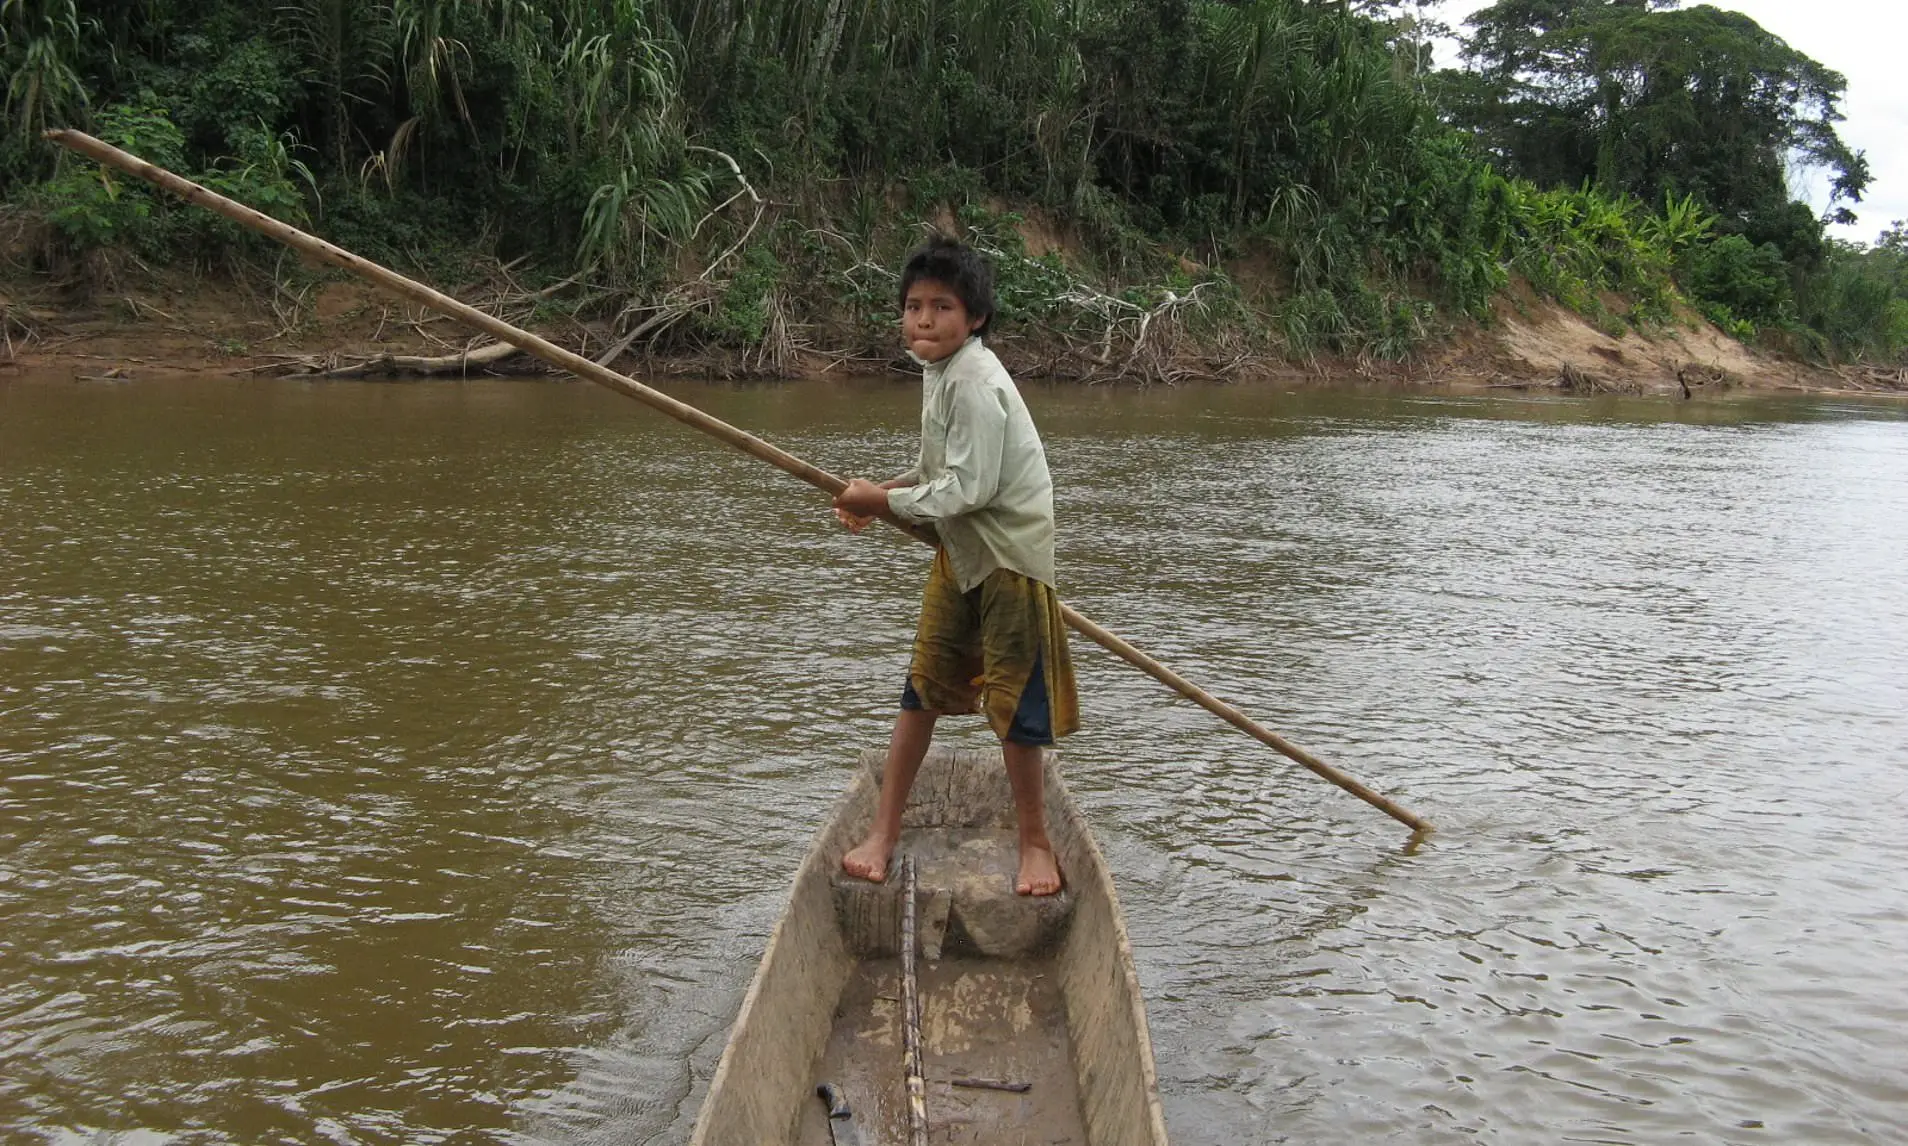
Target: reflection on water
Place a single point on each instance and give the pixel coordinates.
(416, 764)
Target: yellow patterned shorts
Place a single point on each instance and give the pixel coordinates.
(999, 648)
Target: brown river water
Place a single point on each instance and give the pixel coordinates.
(427, 763)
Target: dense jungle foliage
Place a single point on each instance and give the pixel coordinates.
(724, 172)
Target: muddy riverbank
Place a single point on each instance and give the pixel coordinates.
(201, 326)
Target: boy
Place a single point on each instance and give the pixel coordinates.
(990, 636)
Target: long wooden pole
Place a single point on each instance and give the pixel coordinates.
(683, 412)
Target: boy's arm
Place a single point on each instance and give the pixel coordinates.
(976, 437)
(907, 477)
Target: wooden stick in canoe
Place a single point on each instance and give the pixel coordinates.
(748, 443)
(913, 1067)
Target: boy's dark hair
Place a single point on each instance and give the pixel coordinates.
(958, 267)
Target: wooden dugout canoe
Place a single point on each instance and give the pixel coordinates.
(1035, 990)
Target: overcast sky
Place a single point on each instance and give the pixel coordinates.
(1865, 41)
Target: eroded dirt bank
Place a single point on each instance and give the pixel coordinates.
(349, 328)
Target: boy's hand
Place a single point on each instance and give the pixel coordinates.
(862, 498)
(854, 521)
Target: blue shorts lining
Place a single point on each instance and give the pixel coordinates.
(1033, 717)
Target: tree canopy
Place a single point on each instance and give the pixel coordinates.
(1646, 98)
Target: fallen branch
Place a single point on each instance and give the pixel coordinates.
(12, 318)
(666, 316)
(1892, 378)
(1576, 380)
(409, 365)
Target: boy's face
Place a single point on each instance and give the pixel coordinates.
(934, 321)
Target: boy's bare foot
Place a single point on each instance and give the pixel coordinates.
(1039, 871)
(869, 859)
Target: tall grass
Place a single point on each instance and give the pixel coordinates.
(39, 54)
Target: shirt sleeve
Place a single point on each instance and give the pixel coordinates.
(976, 435)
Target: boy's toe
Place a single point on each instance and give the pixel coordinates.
(864, 864)
(1039, 874)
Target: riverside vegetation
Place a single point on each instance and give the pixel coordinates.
(1168, 187)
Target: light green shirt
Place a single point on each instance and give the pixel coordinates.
(981, 480)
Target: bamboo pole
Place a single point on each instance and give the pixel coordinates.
(748, 443)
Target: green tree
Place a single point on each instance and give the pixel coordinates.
(1645, 98)
(1859, 302)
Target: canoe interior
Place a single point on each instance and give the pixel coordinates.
(1015, 989)
(981, 1018)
